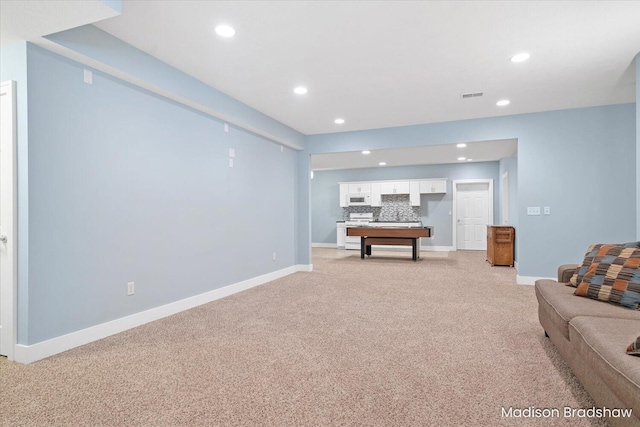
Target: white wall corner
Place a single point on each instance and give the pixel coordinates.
(305, 267)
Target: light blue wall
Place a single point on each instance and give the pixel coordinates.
(113, 4)
(580, 162)
(127, 186)
(13, 66)
(638, 146)
(435, 208)
(113, 52)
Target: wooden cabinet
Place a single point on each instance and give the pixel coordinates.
(500, 240)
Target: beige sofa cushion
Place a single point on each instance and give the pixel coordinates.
(601, 343)
(560, 305)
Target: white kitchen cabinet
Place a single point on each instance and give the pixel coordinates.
(344, 190)
(359, 188)
(433, 186)
(376, 195)
(342, 234)
(394, 187)
(414, 193)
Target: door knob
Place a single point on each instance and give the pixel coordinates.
(3, 238)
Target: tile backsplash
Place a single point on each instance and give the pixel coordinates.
(395, 207)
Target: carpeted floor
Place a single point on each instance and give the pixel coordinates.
(444, 341)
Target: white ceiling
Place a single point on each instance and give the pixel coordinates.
(394, 63)
(375, 64)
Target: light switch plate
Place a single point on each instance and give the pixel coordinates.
(533, 210)
(232, 152)
(230, 163)
(88, 76)
(226, 127)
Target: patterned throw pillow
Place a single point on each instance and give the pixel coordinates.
(589, 258)
(634, 348)
(613, 276)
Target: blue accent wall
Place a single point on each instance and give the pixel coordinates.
(580, 162)
(435, 208)
(125, 185)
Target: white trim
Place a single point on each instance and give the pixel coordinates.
(437, 248)
(515, 265)
(38, 351)
(324, 245)
(100, 66)
(8, 289)
(504, 198)
(530, 280)
(454, 211)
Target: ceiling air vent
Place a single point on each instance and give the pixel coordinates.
(472, 95)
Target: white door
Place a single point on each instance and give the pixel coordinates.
(472, 216)
(7, 225)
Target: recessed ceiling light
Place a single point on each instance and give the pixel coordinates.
(338, 121)
(366, 152)
(225, 31)
(521, 57)
(503, 102)
(382, 163)
(462, 158)
(461, 145)
(468, 160)
(300, 90)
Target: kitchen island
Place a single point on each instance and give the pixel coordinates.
(398, 236)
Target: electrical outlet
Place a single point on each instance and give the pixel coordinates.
(230, 162)
(274, 256)
(547, 210)
(131, 288)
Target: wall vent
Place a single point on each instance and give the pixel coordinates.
(472, 95)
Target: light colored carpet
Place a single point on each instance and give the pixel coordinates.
(444, 341)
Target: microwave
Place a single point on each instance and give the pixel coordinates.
(362, 199)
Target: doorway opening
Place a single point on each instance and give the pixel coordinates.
(7, 219)
(472, 212)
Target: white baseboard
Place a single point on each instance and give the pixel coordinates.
(437, 248)
(515, 265)
(324, 245)
(530, 280)
(32, 353)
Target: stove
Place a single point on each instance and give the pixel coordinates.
(356, 220)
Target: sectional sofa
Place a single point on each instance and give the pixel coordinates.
(592, 336)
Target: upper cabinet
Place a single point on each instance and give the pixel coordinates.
(414, 193)
(394, 187)
(359, 188)
(433, 186)
(376, 194)
(377, 189)
(344, 191)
